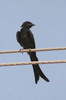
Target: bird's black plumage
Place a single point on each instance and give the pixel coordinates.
(26, 40)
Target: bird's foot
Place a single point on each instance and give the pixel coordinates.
(21, 50)
(29, 49)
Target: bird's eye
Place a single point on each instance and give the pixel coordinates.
(28, 23)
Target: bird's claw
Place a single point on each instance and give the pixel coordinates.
(21, 50)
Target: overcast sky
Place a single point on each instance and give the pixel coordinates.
(49, 17)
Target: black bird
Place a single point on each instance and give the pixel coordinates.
(26, 40)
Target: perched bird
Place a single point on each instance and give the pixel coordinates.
(26, 39)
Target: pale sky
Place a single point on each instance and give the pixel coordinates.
(49, 17)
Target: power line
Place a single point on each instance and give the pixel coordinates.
(33, 62)
(31, 50)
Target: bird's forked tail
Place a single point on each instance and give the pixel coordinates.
(37, 71)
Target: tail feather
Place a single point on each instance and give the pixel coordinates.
(37, 71)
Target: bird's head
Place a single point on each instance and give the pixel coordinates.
(27, 24)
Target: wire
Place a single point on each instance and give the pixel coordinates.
(33, 62)
(31, 50)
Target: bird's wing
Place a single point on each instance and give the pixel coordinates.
(32, 39)
(18, 36)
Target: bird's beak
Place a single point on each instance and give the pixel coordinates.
(33, 24)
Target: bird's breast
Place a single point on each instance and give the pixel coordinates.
(25, 42)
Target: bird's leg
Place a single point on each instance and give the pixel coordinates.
(21, 50)
(29, 49)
